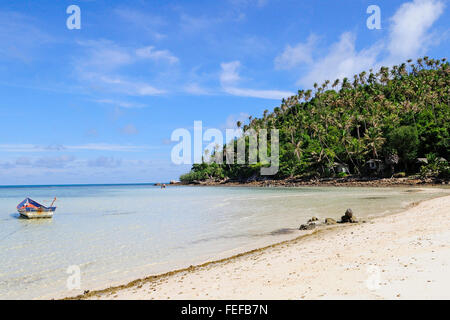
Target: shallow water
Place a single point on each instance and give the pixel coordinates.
(115, 234)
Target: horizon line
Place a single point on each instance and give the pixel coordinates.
(80, 185)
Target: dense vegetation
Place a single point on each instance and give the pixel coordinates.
(395, 115)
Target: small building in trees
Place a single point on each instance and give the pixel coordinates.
(374, 166)
(341, 168)
(422, 161)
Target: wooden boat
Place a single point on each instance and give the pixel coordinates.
(30, 209)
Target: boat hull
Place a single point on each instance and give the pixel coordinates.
(37, 214)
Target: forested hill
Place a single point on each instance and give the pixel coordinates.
(377, 123)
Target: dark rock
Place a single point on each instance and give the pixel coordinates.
(348, 217)
(313, 219)
(349, 213)
(308, 226)
(330, 221)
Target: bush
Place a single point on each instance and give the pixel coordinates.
(342, 175)
(400, 175)
(405, 141)
(436, 168)
(203, 171)
(191, 177)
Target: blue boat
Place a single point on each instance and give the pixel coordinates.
(30, 209)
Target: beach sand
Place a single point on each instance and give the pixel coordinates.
(401, 256)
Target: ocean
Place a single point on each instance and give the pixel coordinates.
(117, 233)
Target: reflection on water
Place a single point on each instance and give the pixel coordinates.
(119, 233)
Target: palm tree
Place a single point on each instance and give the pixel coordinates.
(374, 140)
(335, 83)
(308, 94)
(277, 111)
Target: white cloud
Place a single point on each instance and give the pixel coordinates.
(19, 148)
(229, 74)
(410, 24)
(196, 89)
(103, 63)
(108, 147)
(22, 148)
(142, 89)
(120, 103)
(157, 55)
(263, 94)
(409, 36)
(54, 162)
(119, 85)
(103, 169)
(104, 55)
(229, 78)
(105, 162)
(343, 60)
(233, 119)
(293, 56)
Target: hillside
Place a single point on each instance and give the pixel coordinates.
(392, 122)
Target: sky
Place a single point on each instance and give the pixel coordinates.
(99, 104)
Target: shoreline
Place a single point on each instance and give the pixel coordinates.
(351, 181)
(124, 291)
(191, 268)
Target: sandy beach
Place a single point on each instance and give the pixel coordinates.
(401, 256)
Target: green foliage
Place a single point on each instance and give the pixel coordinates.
(404, 141)
(202, 172)
(435, 168)
(400, 175)
(393, 115)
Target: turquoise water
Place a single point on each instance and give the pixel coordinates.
(115, 234)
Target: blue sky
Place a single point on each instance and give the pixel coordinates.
(99, 104)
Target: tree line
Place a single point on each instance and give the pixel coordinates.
(397, 118)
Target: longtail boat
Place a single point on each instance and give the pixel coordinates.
(31, 209)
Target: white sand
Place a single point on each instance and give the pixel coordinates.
(402, 256)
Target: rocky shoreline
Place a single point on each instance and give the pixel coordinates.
(314, 222)
(338, 182)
